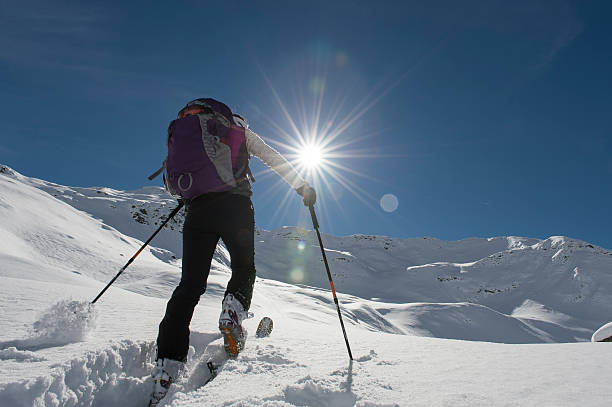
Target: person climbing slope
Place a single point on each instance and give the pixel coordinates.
(208, 168)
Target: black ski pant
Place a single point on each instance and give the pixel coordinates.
(209, 217)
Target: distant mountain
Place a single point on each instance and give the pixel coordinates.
(500, 289)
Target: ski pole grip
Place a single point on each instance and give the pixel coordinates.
(315, 222)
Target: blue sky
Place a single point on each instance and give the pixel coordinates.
(483, 118)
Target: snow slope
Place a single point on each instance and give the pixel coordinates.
(399, 298)
(603, 334)
(552, 290)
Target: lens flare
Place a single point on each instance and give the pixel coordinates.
(296, 275)
(317, 85)
(389, 203)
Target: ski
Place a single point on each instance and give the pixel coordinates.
(211, 362)
(213, 369)
(215, 362)
(265, 327)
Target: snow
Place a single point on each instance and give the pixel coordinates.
(13, 353)
(63, 323)
(603, 333)
(498, 321)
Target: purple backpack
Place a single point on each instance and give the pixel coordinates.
(206, 150)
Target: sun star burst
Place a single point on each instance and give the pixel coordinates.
(311, 156)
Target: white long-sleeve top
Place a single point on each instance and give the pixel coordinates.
(273, 159)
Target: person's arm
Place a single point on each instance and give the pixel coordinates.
(273, 159)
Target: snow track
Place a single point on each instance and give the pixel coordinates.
(119, 375)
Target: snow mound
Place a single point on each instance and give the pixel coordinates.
(603, 334)
(110, 377)
(19, 355)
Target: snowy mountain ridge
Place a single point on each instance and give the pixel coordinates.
(504, 274)
(397, 297)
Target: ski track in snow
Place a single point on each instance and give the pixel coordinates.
(398, 297)
(119, 375)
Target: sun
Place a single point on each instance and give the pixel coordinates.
(311, 156)
(323, 141)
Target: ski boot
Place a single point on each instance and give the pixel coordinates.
(230, 325)
(165, 372)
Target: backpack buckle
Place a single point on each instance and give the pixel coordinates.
(178, 182)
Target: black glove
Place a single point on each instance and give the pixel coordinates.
(308, 193)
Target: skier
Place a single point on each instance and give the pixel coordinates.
(227, 215)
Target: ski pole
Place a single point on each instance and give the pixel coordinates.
(315, 223)
(172, 214)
